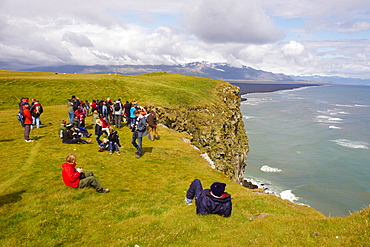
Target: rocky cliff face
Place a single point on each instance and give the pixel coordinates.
(216, 129)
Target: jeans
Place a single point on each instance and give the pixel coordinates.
(71, 116)
(36, 121)
(194, 189)
(113, 146)
(139, 145)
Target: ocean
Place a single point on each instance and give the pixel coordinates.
(311, 146)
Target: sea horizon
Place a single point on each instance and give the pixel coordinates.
(311, 145)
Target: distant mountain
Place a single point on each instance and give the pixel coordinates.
(334, 79)
(220, 71)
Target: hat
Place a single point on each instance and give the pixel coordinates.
(218, 188)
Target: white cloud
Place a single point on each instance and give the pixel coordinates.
(240, 21)
(240, 32)
(292, 49)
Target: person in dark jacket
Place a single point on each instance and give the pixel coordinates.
(209, 201)
(71, 137)
(138, 132)
(113, 141)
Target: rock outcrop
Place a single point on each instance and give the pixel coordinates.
(216, 129)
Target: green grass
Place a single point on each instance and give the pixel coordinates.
(145, 206)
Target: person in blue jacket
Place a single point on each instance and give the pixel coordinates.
(209, 201)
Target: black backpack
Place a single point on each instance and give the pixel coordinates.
(117, 106)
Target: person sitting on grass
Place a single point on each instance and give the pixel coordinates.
(113, 141)
(71, 137)
(209, 201)
(76, 178)
(103, 145)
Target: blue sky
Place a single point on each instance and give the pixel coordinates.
(301, 37)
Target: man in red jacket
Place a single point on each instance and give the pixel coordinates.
(27, 122)
(76, 178)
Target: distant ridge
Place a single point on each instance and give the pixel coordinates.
(220, 71)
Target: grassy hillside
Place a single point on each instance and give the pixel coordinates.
(145, 206)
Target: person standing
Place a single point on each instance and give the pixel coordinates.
(36, 110)
(118, 112)
(209, 201)
(27, 122)
(139, 131)
(71, 112)
(132, 113)
(152, 124)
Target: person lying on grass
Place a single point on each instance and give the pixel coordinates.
(209, 201)
(76, 178)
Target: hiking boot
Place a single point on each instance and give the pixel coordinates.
(103, 190)
(28, 140)
(138, 157)
(118, 153)
(110, 152)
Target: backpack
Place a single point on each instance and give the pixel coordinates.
(33, 109)
(41, 110)
(117, 106)
(20, 117)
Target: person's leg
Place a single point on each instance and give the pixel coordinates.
(90, 181)
(119, 120)
(27, 130)
(155, 130)
(133, 140)
(140, 146)
(37, 120)
(194, 189)
(115, 147)
(151, 136)
(71, 115)
(33, 122)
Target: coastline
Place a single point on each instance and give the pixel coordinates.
(267, 87)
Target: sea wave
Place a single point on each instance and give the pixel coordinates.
(334, 127)
(266, 168)
(255, 101)
(351, 144)
(249, 117)
(288, 195)
(328, 119)
(272, 189)
(355, 105)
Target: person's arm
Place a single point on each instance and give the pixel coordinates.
(228, 210)
(202, 207)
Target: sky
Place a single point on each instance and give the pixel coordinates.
(300, 37)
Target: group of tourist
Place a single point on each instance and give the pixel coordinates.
(105, 115)
(29, 116)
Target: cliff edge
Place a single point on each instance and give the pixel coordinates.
(216, 129)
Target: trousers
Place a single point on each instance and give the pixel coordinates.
(90, 181)
(194, 189)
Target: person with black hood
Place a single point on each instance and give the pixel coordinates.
(209, 201)
(70, 137)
